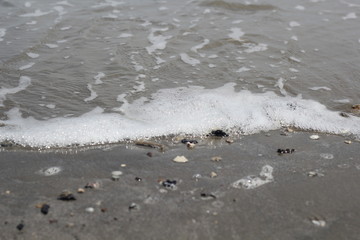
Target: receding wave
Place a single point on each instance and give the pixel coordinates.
(183, 110)
(238, 6)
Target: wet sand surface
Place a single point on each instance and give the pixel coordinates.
(314, 192)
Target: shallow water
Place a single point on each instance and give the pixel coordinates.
(104, 71)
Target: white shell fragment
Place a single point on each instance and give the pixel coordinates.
(50, 171)
(347, 142)
(318, 222)
(180, 159)
(314, 137)
(90, 210)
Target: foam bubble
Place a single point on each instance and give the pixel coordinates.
(37, 13)
(189, 60)
(52, 45)
(98, 78)
(93, 94)
(200, 46)
(191, 110)
(351, 15)
(24, 82)
(2, 34)
(236, 34)
(252, 47)
(251, 181)
(29, 65)
(125, 35)
(32, 55)
(158, 41)
(320, 88)
(294, 24)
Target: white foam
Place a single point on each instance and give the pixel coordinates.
(32, 55)
(243, 69)
(280, 84)
(158, 41)
(65, 28)
(236, 33)
(293, 70)
(252, 47)
(125, 35)
(299, 7)
(189, 60)
(31, 23)
(351, 15)
(251, 181)
(294, 24)
(2, 34)
(51, 106)
(93, 94)
(342, 100)
(295, 59)
(49, 45)
(29, 65)
(27, 4)
(24, 82)
(37, 13)
(98, 78)
(200, 46)
(320, 88)
(191, 110)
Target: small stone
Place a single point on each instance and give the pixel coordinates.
(51, 221)
(213, 174)
(207, 196)
(219, 133)
(70, 225)
(45, 209)
(315, 174)
(314, 137)
(180, 159)
(149, 154)
(216, 159)
(134, 206)
(115, 175)
(20, 226)
(318, 222)
(138, 179)
(356, 107)
(90, 209)
(123, 165)
(190, 145)
(290, 130)
(66, 196)
(103, 210)
(285, 151)
(344, 115)
(348, 142)
(229, 140)
(171, 184)
(7, 192)
(92, 185)
(186, 141)
(81, 190)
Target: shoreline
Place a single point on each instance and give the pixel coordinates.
(313, 193)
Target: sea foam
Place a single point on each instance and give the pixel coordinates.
(189, 110)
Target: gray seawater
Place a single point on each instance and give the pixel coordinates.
(63, 59)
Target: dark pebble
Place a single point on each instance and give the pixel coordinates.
(149, 154)
(51, 221)
(169, 183)
(20, 226)
(133, 206)
(138, 179)
(284, 151)
(185, 141)
(45, 209)
(66, 196)
(219, 133)
(207, 195)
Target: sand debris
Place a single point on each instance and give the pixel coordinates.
(180, 159)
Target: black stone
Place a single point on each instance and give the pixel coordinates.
(67, 197)
(219, 133)
(45, 209)
(20, 226)
(185, 141)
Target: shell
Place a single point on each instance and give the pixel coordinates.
(180, 159)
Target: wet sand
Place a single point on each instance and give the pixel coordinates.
(314, 193)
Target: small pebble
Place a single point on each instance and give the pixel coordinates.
(180, 159)
(318, 222)
(186, 141)
(229, 140)
(90, 209)
(149, 154)
(207, 196)
(66, 196)
(190, 145)
(7, 192)
(20, 226)
(213, 174)
(171, 184)
(70, 225)
(290, 130)
(219, 133)
(138, 179)
(45, 209)
(92, 185)
(115, 175)
(284, 151)
(81, 190)
(216, 159)
(123, 165)
(133, 206)
(314, 137)
(348, 142)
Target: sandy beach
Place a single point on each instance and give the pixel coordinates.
(313, 192)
